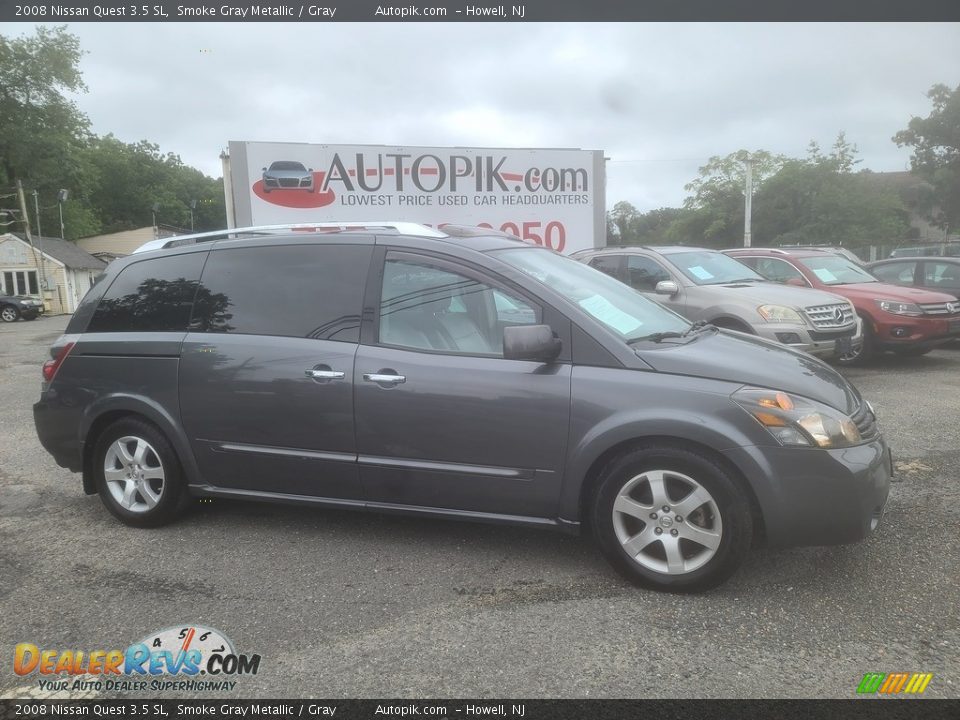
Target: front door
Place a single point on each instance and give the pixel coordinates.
(443, 420)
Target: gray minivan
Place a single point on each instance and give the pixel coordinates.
(453, 374)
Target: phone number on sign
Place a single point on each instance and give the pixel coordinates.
(552, 234)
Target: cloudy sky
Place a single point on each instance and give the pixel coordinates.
(658, 99)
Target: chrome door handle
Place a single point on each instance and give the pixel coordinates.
(384, 379)
(324, 374)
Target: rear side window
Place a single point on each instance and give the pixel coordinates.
(150, 296)
(309, 291)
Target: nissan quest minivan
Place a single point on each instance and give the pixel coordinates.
(453, 374)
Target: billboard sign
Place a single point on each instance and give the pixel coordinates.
(550, 197)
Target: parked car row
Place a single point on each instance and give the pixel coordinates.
(811, 299)
(466, 374)
(15, 307)
(904, 320)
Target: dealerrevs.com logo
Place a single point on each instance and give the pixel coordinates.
(196, 657)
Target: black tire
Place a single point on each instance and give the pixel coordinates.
(9, 313)
(734, 526)
(159, 453)
(864, 354)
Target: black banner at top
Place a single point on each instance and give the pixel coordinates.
(479, 11)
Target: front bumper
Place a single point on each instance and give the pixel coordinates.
(812, 496)
(822, 343)
(915, 332)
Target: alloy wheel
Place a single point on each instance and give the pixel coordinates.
(134, 474)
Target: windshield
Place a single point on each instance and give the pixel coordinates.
(706, 267)
(286, 165)
(835, 270)
(619, 307)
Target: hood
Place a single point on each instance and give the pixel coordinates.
(888, 291)
(769, 293)
(740, 358)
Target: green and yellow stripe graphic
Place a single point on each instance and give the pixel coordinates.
(893, 683)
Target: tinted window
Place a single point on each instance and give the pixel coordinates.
(313, 291)
(432, 308)
(150, 296)
(610, 264)
(643, 273)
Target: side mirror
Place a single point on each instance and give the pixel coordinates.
(264, 169)
(797, 282)
(667, 287)
(530, 342)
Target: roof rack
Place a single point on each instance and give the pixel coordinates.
(407, 228)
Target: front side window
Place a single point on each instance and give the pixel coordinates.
(899, 273)
(941, 275)
(706, 267)
(150, 296)
(777, 270)
(307, 291)
(612, 303)
(643, 274)
(428, 307)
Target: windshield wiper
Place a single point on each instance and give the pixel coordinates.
(697, 327)
(655, 337)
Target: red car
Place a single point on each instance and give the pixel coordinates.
(908, 321)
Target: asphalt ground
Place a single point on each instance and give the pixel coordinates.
(346, 604)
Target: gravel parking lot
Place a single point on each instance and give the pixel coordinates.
(344, 604)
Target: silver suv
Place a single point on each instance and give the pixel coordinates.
(703, 284)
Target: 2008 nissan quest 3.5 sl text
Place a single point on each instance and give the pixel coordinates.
(456, 373)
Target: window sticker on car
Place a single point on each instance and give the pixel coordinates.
(607, 313)
(825, 275)
(701, 273)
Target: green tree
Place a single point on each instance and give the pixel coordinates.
(935, 140)
(133, 177)
(42, 130)
(821, 201)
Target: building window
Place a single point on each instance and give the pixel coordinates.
(19, 282)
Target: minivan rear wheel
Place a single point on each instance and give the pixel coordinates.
(137, 472)
(671, 518)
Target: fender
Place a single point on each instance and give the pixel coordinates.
(151, 410)
(711, 429)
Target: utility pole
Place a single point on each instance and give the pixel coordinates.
(43, 271)
(748, 202)
(26, 230)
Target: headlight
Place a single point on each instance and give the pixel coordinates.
(899, 308)
(780, 313)
(796, 421)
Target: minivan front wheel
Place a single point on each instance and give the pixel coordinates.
(138, 476)
(671, 518)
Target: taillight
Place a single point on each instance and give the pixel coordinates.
(50, 367)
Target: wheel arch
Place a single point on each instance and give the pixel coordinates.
(108, 410)
(593, 472)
